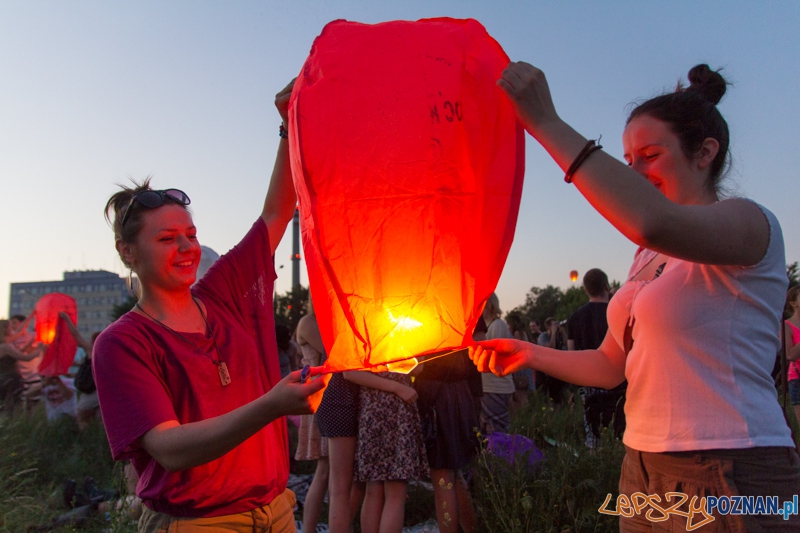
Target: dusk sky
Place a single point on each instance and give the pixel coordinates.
(93, 93)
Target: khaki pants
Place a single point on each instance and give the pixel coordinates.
(276, 517)
(766, 471)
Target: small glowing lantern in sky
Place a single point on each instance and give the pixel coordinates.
(408, 162)
(573, 276)
(51, 329)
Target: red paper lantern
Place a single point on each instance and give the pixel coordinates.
(573, 276)
(52, 329)
(408, 162)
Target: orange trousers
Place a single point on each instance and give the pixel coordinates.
(276, 517)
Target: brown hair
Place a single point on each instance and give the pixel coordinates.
(120, 203)
(791, 296)
(515, 322)
(691, 112)
(493, 304)
(595, 281)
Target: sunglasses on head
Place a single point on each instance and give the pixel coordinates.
(152, 199)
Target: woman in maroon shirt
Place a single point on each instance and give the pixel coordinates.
(188, 381)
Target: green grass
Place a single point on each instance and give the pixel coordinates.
(564, 494)
(38, 457)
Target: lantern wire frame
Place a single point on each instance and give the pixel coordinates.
(403, 366)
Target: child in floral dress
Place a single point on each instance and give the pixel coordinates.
(390, 447)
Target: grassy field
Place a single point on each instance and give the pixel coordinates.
(562, 494)
(566, 488)
(37, 458)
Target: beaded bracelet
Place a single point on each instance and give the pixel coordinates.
(584, 154)
(283, 132)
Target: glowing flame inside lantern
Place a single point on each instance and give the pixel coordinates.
(400, 337)
(403, 333)
(46, 333)
(47, 309)
(403, 322)
(52, 330)
(573, 276)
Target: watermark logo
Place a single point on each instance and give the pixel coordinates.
(701, 508)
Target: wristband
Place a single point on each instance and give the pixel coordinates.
(584, 154)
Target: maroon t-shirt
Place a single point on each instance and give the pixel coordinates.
(147, 375)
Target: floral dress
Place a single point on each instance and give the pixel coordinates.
(390, 445)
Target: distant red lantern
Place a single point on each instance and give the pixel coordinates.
(408, 162)
(573, 276)
(51, 329)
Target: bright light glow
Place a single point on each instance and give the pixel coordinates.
(407, 332)
(48, 334)
(403, 322)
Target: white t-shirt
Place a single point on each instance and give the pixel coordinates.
(705, 339)
(498, 329)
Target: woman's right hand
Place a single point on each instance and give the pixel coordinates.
(501, 356)
(529, 93)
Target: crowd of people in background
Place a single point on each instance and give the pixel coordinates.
(22, 387)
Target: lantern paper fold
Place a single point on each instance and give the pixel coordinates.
(408, 162)
(52, 329)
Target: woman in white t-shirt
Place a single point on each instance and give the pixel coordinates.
(695, 328)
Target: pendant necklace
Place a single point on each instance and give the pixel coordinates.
(222, 368)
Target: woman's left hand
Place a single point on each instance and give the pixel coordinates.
(290, 396)
(282, 101)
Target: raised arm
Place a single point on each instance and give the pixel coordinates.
(732, 232)
(73, 330)
(281, 199)
(604, 367)
(178, 446)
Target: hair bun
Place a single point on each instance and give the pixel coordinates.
(707, 83)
